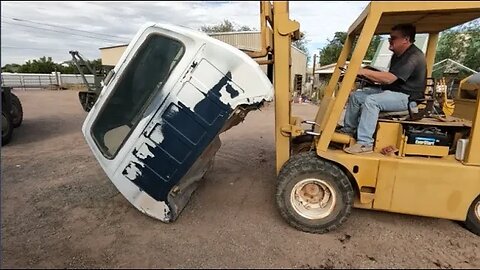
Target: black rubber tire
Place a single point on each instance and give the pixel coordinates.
(17, 111)
(473, 221)
(8, 131)
(307, 165)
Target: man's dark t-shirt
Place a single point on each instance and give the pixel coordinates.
(411, 71)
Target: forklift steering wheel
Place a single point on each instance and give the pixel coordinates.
(361, 78)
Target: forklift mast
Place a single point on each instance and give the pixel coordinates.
(277, 34)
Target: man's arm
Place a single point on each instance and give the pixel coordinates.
(381, 77)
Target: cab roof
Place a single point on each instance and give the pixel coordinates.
(428, 16)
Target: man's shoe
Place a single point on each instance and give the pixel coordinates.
(359, 149)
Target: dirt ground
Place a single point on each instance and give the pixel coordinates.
(59, 210)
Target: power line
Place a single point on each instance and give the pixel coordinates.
(57, 31)
(58, 26)
(25, 48)
(63, 32)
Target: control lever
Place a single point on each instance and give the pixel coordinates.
(311, 132)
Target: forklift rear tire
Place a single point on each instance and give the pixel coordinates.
(17, 111)
(7, 127)
(473, 217)
(313, 195)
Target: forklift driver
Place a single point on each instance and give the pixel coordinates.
(405, 79)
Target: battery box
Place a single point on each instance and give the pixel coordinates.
(427, 136)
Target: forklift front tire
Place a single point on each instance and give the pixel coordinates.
(313, 195)
(473, 217)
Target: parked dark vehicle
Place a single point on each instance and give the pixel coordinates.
(12, 114)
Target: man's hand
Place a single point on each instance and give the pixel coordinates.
(381, 77)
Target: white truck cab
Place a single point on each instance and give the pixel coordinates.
(155, 126)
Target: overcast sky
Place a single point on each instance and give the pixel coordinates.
(30, 30)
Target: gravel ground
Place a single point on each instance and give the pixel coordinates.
(59, 210)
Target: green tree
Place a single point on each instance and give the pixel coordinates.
(330, 53)
(72, 69)
(225, 26)
(11, 68)
(372, 48)
(42, 65)
(302, 43)
(228, 26)
(46, 65)
(461, 44)
(69, 68)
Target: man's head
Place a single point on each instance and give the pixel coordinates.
(401, 37)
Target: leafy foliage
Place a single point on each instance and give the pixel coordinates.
(228, 26)
(225, 26)
(330, 53)
(46, 65)
(302, 43)
(461, 44)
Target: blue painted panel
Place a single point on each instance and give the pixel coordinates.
(185, 136)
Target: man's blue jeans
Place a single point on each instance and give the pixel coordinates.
(363, 108)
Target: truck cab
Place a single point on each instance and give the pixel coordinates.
(155, 126)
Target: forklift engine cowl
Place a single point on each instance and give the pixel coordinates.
(155, 126)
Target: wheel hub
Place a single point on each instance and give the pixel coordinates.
(313, 198)
(311, 193)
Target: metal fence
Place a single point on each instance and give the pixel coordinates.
(37, 80)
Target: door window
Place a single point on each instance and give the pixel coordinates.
(142, 79)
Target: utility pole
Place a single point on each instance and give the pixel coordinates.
(313, 72)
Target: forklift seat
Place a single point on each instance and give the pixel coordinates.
(385, 114)
(414, 113)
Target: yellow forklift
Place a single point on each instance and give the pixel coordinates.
(319, 184)
(155, 126)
